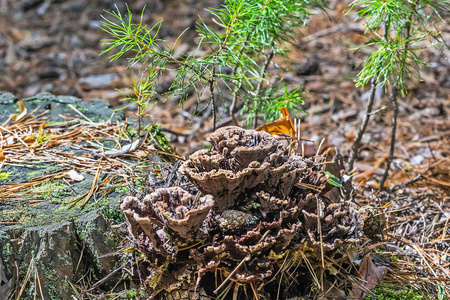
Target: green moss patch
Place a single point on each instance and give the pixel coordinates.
(385, 292)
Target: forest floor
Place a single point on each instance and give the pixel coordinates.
(54, 46)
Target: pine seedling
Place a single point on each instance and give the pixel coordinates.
(397, 29)
(142, 93)
(241, 46)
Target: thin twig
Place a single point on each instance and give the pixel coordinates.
(80, 113)
(39, 282)
(362, 129)
(27, 277)
(103, 280)
(393, 133)
(211, 90)
(238, 85)
(373, 89)
(260, 84)
(394, 96)
(232, 273)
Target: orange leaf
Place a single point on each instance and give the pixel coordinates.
(280, 126)
(2, 156)
(29, 138)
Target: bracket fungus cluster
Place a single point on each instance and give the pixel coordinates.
(250, 215)
(168, 212)
(240, 160)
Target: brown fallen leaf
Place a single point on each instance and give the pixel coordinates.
(23, 112)
(331, 292)
(2, 156)
(372, 275)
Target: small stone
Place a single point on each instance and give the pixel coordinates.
(35, 42)
(317, 120)
(74, 175)
(417, 160)
(430, 112)
(32, 89)
(96, 82)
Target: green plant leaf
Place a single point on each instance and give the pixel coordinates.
(333, 180)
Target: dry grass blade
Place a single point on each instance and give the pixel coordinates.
(39, 283)
(94, 184)
(311, 269)
(25, 280)
(308, 186)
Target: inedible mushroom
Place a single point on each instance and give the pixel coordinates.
(244, 146)
(240, 160)
(181, 212)
(340, 224)
(167, 212)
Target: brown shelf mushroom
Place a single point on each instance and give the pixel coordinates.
(244, 146)
(168, 212)
(262, 209)
(340, 223)
(180, 211)
(240, 160)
